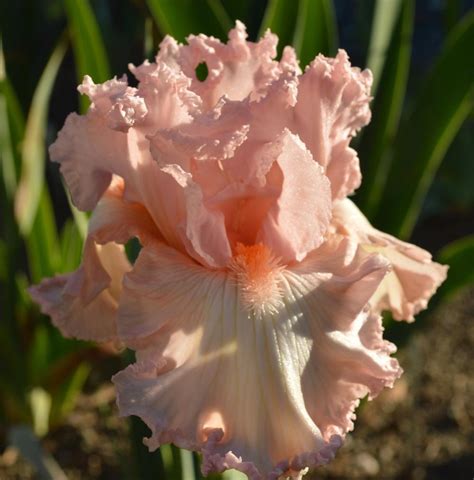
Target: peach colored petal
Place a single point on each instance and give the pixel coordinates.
(84, 304)
(116, 220)
(296, 223)
(115, 101)
(272, 393)
(414, 277)
(333, 104)
(202, 230)
(237, 69)
(166, 93)
(89, 152)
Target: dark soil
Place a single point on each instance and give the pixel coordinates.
(423, 429)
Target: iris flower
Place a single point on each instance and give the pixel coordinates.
(254, 304)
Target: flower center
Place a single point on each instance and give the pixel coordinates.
(257, 273)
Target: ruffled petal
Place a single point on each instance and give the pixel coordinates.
(166, 92)
(237, 69)
(296, 223)
(333, 104)
(272, 393)
(116, 220)
(414, 278)
(115, 101)
(89, 153)
(202, 230)
(84, 304)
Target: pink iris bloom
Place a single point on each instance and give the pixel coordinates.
(254, 305)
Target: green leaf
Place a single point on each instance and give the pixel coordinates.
(459, 255)
(12, 128)
(310, 26)
(38, 354)
(179, 18)
(315, 30)
(442, 106)
(187, 465)
(40, 403)
(3, 261)
(71, 247)
(233, 475)
(374, 148)
(148, 41)
(42, 244)
(87, 43)
(384, 23)
(33, 150)
(280, 18)
(65, 397)
(81, 219)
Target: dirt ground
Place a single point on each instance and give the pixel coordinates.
(423, 429)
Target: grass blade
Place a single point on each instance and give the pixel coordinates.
(383, 25)
(71, 247)
(42, 244)
(377, 137)
(315, 30)
(87, 43)
(459, 255)
(280, 18)
(208, 16)
(439, 112)
(11, 130)
(33, 152)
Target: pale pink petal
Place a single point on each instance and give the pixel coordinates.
(414, 277)
(116, 220)
(237, 69)
(115, 101)
(89, 152)
(202, 230)
(84, 304)
(272, 391)
(166, 92)
(333, 104)
(296, 223)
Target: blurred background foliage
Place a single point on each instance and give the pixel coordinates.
(416, 157)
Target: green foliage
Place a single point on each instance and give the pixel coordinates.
(89, 49)
(307, 25)
(46, 372)
(459, 255)
(377, 138)
(208, 16)
(440, 109)
(31, 184)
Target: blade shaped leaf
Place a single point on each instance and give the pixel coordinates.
(384, 23)
(11, 131)
(315, 30)
(439, 111)
(179, 18)
(374, 148)
(42, 243)
(459, 255)
(280, 18)
(88, 46)
(31, 181)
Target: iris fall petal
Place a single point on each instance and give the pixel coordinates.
(414, 277)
